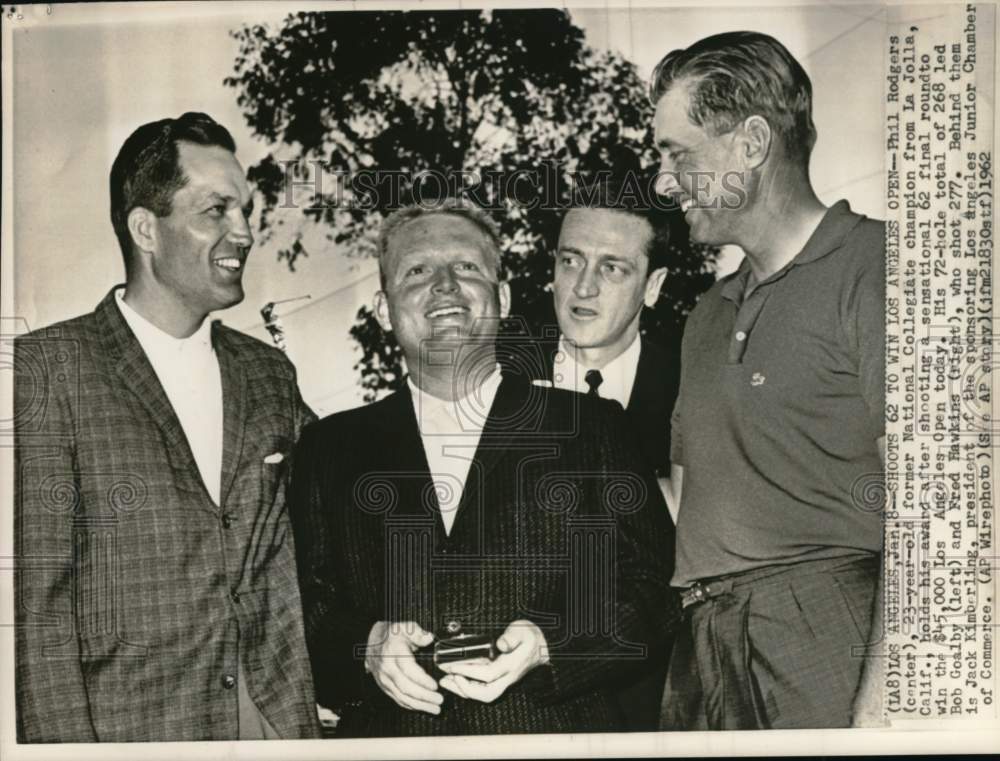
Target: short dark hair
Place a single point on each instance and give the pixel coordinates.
(146, 172)
(739, 74)
(632, 195)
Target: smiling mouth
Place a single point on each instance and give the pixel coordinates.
(448, 311)
(229, 263)
(583, 312)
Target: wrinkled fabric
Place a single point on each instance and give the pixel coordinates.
(780, 647)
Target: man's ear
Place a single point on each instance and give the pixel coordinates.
(382, 311)
(653, 284)
(755, 139)
(503, 291)
(142, 227)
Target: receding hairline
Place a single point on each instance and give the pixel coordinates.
(402, 218)
(437, 213)
(686, 85)
(194, 148)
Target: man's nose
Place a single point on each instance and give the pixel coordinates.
(666, 179)
(239, 231)
(444, 281)
(586, 284)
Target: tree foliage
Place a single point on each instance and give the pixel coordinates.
(460, 93)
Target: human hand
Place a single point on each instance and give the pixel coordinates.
(522, 647)
(389, 659)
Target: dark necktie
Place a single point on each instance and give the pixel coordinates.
(594, 380)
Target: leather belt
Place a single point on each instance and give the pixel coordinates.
(706, 589)
(702, 591)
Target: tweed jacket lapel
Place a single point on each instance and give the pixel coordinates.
(126, 355)
(234, 393)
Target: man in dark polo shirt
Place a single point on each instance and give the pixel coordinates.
(778, 432)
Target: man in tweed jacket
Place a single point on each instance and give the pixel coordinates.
(473, 504)
(156, 592)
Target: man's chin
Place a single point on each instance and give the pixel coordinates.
(458, 340)
(229, 297)
(704, 233)
(583, 339)
(449, 334)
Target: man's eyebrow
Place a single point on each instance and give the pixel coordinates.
(214, 196)
(613, 258)
(666, 142)
(601, 258)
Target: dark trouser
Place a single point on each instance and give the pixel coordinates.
(639, 701)
(779, 647)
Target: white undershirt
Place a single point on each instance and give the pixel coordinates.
(450, 432)
(618, 374)
(188, 370)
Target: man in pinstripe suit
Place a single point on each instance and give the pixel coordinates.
(473, 503)
(156, 592)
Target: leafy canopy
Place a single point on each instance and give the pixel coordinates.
(371, 102)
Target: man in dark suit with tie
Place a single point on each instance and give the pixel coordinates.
(471, 506)
(155, 594)
(611, 263)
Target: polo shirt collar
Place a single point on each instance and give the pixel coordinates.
(828, 236)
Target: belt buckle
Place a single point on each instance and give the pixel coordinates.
(699, 592)
(694, 595)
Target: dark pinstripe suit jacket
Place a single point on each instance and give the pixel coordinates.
(556, 525)
(657, 381)
(134, 588)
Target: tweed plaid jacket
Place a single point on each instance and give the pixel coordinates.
(135, 593)
(557, 524)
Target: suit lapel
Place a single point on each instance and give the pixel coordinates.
(642, 390)
(416, 492)
(234, 396)
(506, 420)
(415, 489)
(549, 350)
(137, 375)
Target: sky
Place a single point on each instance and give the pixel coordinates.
(85, 76)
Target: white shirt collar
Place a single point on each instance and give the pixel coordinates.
(618, 374)
(450, 433)
(152, 338)
(469, 412)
